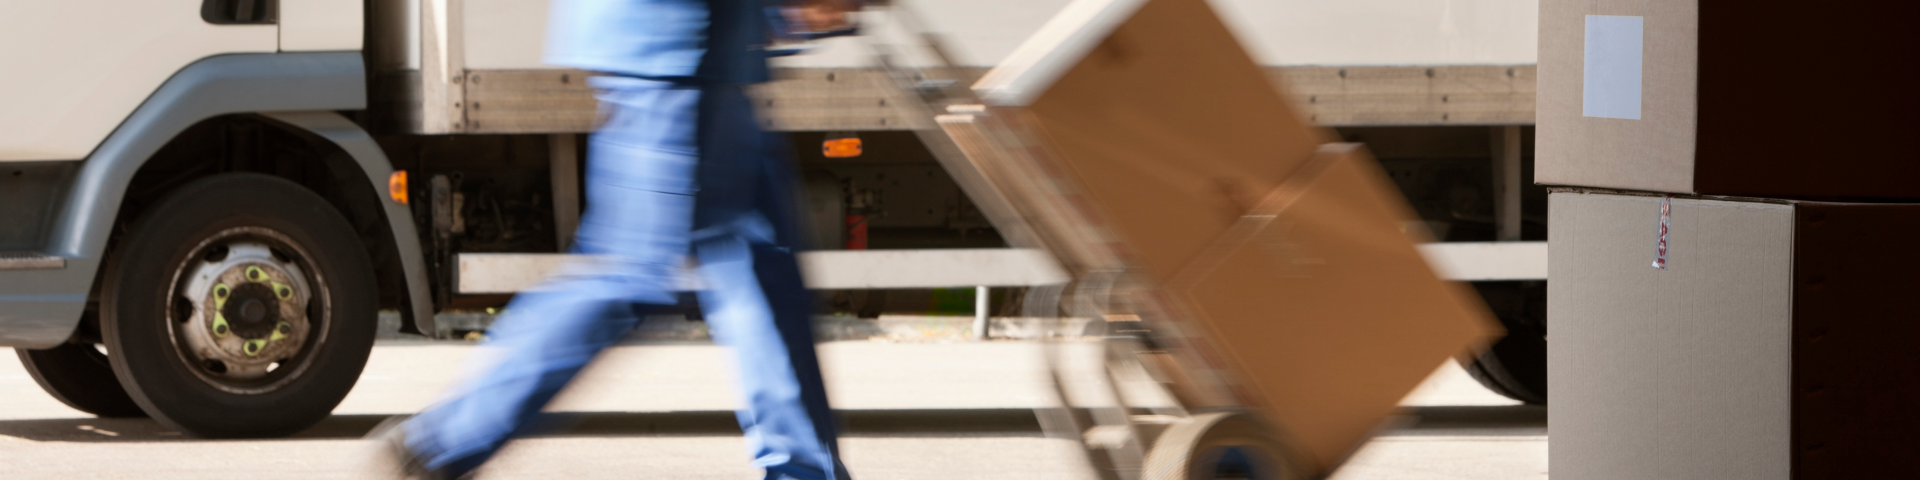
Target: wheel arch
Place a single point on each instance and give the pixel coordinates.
(301, 90)
(400, 240)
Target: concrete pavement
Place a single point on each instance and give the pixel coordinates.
(659, 410)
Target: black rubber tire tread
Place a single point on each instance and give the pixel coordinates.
(80, 377)
(1174, 454)
(1514, 367)
(138, 275)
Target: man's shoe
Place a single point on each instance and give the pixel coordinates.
(391, 459)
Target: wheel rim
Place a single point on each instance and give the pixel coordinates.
(247, 309)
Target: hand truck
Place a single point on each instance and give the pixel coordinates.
(1053, 146)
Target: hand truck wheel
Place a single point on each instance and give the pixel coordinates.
(1223, 445)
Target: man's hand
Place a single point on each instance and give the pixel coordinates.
(823, 15)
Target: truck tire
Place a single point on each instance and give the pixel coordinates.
(1515, 366)
(241, 305)
(81, 377)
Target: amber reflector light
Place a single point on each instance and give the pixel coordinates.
(397, 186)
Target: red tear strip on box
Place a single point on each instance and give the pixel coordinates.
(1666, 221)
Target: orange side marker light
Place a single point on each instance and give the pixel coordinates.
(841, 145)
(397, 186)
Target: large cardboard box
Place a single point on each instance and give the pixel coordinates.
(1326, 308)
(1163, 118)
(1780, 341)
(1719, 97)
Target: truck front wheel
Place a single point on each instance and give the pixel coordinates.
(241, 305)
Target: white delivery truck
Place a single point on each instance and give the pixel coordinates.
(205, 204)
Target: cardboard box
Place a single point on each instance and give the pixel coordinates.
(1326, 308)
(1729, 98)
(1779, 342)
(1164, 120)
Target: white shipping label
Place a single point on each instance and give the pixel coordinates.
(1610, 85)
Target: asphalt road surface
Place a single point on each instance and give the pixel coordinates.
(914, 410)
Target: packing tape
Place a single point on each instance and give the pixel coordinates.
(1666, 223)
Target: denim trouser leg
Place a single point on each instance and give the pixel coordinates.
(678, 168)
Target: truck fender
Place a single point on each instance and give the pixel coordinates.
(41, 308)
(357, 143)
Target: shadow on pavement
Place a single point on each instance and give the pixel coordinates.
(1018, 421)
(1476, 420)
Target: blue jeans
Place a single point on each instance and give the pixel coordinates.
(678, 168)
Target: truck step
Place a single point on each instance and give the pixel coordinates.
(1487, 261)
(484, 273)
(30, 261)
(481, 273)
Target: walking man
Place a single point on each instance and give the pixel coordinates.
(678, 168)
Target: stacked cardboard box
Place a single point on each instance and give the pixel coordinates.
(1718, 310)
(1730, 98)
(1780, 341)
(1325, 305)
